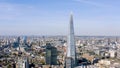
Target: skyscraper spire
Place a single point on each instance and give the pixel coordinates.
(71, 49)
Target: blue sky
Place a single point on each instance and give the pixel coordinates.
(51, 17)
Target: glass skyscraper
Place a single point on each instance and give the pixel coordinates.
(71, 49)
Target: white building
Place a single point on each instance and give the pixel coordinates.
(112, 53)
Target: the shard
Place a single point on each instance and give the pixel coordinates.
(71, 49)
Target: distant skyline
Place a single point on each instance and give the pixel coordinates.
(51, 17)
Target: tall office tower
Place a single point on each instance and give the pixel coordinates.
(51, 54)
(17, 43)
(71, 49)
(25, 40)
(18, 40)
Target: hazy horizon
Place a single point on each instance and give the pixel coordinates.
(51, 17)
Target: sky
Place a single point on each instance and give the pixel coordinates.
(51, 17)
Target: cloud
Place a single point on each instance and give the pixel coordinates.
(93, 3)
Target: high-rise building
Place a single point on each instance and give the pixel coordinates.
(18, 40)
(51, 54)
(17, 43)
(25, 40)
(71, 48)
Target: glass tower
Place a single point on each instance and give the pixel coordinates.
(71, 49)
